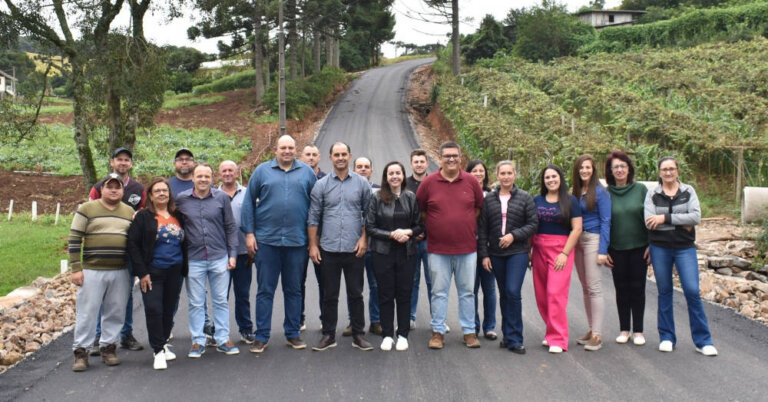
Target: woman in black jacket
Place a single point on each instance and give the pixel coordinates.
(156, 248)
(393, 222)
(507, 222)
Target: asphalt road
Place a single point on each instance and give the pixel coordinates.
(616, 372)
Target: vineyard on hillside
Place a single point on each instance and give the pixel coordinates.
(698, 103)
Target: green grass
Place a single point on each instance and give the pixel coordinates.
(266, 118)
(153, 153)
(54, 109)
(187, 100)
(386, 62)
(31, 249)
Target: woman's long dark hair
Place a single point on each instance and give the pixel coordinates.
(385, 193)
(472, 164)
(150, 206)
(563, 198)
(578, 188)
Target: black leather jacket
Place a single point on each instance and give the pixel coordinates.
(522, 222)
(379, 222)
(141, 242)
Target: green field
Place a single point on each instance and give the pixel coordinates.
(153, 152)
(31, 249)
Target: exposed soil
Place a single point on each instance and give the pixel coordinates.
(236, 115)
(431, 126)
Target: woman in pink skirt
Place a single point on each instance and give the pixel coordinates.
(559, 229)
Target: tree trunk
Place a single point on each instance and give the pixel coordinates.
(316, 46)
(115, 118)
(267, 73)
(258, 58)
(328, 50)
(455, 36)
(81, 137)
(303, 52)
(292, 39)
(336, 58)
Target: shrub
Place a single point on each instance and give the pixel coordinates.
(243, 79)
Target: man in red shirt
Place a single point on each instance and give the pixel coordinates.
(450, 201)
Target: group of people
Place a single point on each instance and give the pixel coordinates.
(450, 222)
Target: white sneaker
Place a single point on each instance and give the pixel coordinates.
(666, 346)
(160, 363)
(303, 328)
(622, 338)
(413, 324)
(168, 354)
(447, 328)
(638, 339)
(708, 350)
(544, 343)
(386, 344)
(402, 343)
(555, 349)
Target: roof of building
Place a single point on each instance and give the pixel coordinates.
(3, 73)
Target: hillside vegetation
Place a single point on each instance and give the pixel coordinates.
(694, 103)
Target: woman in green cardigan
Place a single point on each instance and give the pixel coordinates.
(628, 251)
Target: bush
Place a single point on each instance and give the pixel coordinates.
(547, 32)
(243, 79)
(300, 96)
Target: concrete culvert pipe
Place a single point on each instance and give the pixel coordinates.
(754, 204)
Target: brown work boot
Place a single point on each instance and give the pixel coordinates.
(436, 341)
(375, 328)
(348, 330)
(81, 360)
(585, 339)
(109, 355)
(471, 341)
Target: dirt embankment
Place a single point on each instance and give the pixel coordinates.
(236, 115)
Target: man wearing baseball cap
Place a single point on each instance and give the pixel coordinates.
(134, 194)
(184, 164)
(97, 259)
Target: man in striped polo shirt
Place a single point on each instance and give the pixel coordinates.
(97, 258)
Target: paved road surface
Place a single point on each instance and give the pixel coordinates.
(455, 373)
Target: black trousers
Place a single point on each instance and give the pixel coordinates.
(629, 276)
(160, 304)
(333, 264)
(394, 275)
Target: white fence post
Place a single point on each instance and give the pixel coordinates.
(10, 210)
(58, 210)
(34, 211)
(485, 100)
(64, 266)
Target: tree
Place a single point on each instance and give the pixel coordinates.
(488, 40)
(449, 10)
(36, 18)
(368, 24)
(548, 31)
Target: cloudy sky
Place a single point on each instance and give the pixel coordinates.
(408, 30)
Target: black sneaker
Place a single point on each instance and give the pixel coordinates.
(130, 343)
(326, 342)
(247, 337)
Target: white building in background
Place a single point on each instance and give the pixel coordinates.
(7, 85)
(216, 64)
(609, 18)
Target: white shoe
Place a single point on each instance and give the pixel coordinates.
(555, 349)
(160, 363)
(447, 328)
(544, 343)
(402, 343)
(168, 354)
(666, 346)
(386, 344)
(638, 339)
(708, 350)
(303, 328)
(622, 338)
(413, 324)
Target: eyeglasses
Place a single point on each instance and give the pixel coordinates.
(453, 156)
(619, 167)
(669, 170)
(185, 159)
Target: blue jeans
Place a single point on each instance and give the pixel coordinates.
(128, 323)
(510, 273)
(215, 273)
(441, 268)
(688, 270)
(373, 290)
(421, 258)
(271, 263)
(485, 280)
(240, 280)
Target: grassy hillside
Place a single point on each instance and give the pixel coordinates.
(693, 103)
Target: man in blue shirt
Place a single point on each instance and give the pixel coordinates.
(211, 251)
(311, 156)
(275, 234)
(340, 202)
(241, 276)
